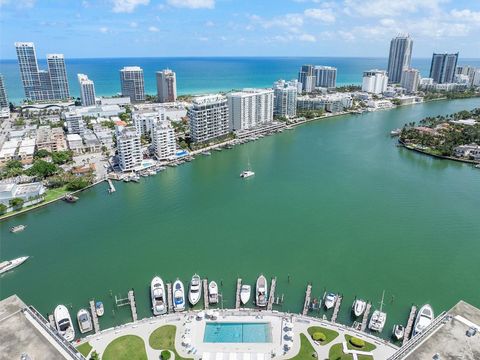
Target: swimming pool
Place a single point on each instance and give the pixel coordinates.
(235, 332)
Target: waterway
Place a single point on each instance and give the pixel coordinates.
(333, 202)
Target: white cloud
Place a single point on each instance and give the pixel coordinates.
(192, 4)
(323, 15)
(127, 6)
(210, 24)
(203, 38)
(289, 21)
(466, 14)
(103, 29)
(133, 24)
(21, 4)
(153, 29)
(307, 38)
(383, 8)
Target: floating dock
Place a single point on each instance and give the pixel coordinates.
(365, 316)
(169, 298)
(408, 328)
(237, 297)
(111, 188)
(133, 305)
(271, 296)
(205, 293)
(96, 325)
(51, 320)
(336, 310)
(306, 304)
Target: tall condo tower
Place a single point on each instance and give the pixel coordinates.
(166, 86)
(87, 90)
(442, 68)
(132, 83)
(400, 57)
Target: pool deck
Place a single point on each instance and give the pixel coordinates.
(190, 327)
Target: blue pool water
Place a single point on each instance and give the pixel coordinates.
(216, 332)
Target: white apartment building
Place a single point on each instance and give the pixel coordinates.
(208, 117)
(375, 81)
(87, 90)
(129, 148)
(132, 83)
(75, 123)
(285, 98)
(166, 86)
(410, 80)
(163, 140)
(145, 121)
(250, 108)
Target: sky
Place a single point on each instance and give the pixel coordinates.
(162, 28)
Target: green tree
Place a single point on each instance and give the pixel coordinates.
(42, 168)
(94, 355)
(3, 208)
(78, 183)
(62, 157)
(13, 164)
(16, 203)
(42, 153)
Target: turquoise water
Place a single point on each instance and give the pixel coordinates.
(201, 75)
(217, 332)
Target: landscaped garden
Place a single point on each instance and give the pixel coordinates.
(322, 335)
(353, 343)
(307, 352)
(84, 349)
(163, 338)
(128, 347)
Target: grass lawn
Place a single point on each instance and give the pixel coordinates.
(84, 349)
(368, 346)
(336, 353)
(163, 338)
(330, 334)
(128, 347)
(307, 351)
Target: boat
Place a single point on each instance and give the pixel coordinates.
(84, 321)
(157, 293)
(398, 332)
(70, 198)
(63, 322)
(245, 292)
(195, 291)
(12, 264)
(135, 178)
(246, 173)
(126, 179)
(477, 166)
(359, 307)
(379, 318)
(99, 309)
(424, 318)
(261, 295)
(178, 296)
(329, 300)
(206, 153)
(18, 228)
(213, 293)
(395, 132)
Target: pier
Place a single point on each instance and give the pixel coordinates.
(169, 298)
(205, 293)
(408, 328)
(237, 297)
(271, 297)
(365, 316)
(51, 320)
(133, 305)
(306, 304)
(96, 325)
(111, 188)
(336, 310)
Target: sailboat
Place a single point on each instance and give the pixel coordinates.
(248, 172)
(379, 318)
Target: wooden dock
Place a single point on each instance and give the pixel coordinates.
(111, 188)
(205, 293)
(271, 296)
(51, 320)
(93, 310)
(237, 297)
(408, 328)
(169, 298)
(133, 305)
(336, 309)
(365, 316)
(306, 304)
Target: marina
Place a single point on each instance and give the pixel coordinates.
(410, 321)
(93, 311)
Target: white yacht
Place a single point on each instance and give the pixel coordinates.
(424, 318)
(329, 300)
(9, 265)
(195, 292)
(99, 309)
(157, 293)
(398, 332)
(84, 321)
(246, 173)
(379, 318)
(213, 293)
(178, 296)
(261, 295)
(245, 292)
(63, 322)
(359, 307)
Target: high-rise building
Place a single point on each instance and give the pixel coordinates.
(129, 148)
(325, 76)
(442, 68)
(208, 117)
(45, 92)
(400, 57)
(375, 81)
(75, 123)
(87, 90)
(250, 108)
(3, 93)
(410, 80)
(163, 140)
(285, 98)
(27, 61)
(132, 83)
(166, 86)
(145, 121)
(306, 76)
(58, 76)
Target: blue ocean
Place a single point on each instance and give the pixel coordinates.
(197, 75)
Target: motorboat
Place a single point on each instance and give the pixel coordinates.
(246, 173)
(84, 321)
(261, 295)
(329, 301)
(398, 332)
(70, 198)
(206, 153)
(18, 228)
(213, 292)
(424, 318)
(12, 264)
(379, 318)
(157, 293)
(395, 132)
(245, 292)
(195, 292)
(99, 309)
(178, 296)
(359, 307)
(63, 322)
